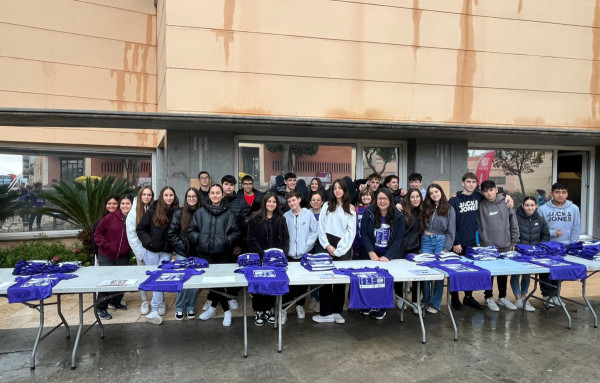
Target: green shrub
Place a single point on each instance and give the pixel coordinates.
(54, 251)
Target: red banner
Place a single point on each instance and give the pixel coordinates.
(484, 166)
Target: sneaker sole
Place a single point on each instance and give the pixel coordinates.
(324, 321)
(155, 320)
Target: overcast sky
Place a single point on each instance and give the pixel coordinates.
(11, 163)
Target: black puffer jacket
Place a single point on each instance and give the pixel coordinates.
(153, 238)
(213, 232)
(240, 208)
(258, 196)
(533, 229)
(412, 237)
(264, 235)
(178, 239)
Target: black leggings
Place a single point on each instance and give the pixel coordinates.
(116, 299)
(218, 298)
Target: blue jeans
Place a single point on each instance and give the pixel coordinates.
(433, 244)
(186, 299)
(522, 287)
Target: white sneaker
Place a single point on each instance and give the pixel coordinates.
(324, 319)
(207, 305)
(314, 305)
(491, 304)
(162, 308)
(233, 304)
(431, 310)
(415, 309)
(211, 312)
(339, 318)
(519, 303)
(506, 303)
(145, 309)
(283, 317)
(123, 302)
(548, 300)
(111, 306)
(529, 307)
(554, 300)
(153, 317)
(227, 319)
(400, 304)
(300, 312)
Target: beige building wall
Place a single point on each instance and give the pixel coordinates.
(512, 63)
(90, 55)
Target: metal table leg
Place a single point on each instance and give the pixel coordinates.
(62, 318)
(403, 304)
(587, 302)
(38, 336)
(245, 325)
(450, 310)
(558, 288)
(420, 311)
(279, 302)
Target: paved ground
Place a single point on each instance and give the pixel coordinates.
(506, 347)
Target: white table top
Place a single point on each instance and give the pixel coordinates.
(591, 265)
(506, 267)
(221, 276)
(401, 269)
(91, 277)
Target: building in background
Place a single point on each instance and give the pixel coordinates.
(333, 88)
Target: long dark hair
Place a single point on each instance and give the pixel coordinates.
(164, 213)
(140, 208)
(391, 213)
(262, 212)
(429, 206)
(411, 212)
(187, 211)
(332, 205)
(320, 188)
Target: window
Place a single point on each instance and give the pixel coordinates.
(71, 168)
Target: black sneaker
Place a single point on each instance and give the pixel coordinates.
(365, 312)
(456, 305)
(269, 316)
(191, 314)
(472, 302)
(120, 307)
(103, 314)
(377, 314)
(178, 315)
(258, 318)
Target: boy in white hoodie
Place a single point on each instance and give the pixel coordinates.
(303, 229)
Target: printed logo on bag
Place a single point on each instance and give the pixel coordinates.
(170, 277)
(382, 235)
(370, 280)
(264, 274)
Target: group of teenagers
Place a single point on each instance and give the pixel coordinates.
(371, 219)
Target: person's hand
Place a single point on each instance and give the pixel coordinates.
(237, 250)
(403, 192)
(373, 256)
(558, 232)
(399, 206)
(442, 252)
(362, 187)
(512, 248)
(330, 249)
(457, 249)
(509, 201)
(384, 259)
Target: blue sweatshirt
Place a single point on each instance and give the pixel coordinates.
(565, 218)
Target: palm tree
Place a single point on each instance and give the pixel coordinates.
(81, 203)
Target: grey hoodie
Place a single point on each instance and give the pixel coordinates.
(303, 229)
(497, 224)
(565, 218)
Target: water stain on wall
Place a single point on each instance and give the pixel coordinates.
(134, 70)
(367, 114)
(466, 65)
(520, 6)
(595, 77)
(417, 12)
(227, 33)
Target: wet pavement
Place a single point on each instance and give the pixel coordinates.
(509, 346)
